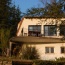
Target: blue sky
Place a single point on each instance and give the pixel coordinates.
(27, 4)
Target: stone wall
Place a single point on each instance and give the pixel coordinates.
(5, 62)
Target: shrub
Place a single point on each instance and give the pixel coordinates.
(30, 53)
(60, 59)
(41, 62)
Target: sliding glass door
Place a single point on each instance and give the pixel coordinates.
(34, 30)
(50, 30)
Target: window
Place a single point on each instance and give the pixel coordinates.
(50, 30)
(62, 30)
(62, 49)
(34, 30)
(49, 49)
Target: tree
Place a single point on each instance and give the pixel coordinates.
(15, 16)
(30, 53)
(55, 8)
(10, 15)
(4, 11)
(5, 35)
(35, 12)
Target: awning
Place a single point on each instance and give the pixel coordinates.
(37, 40)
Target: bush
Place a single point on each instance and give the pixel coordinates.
(30, 53)
(60, 59)
(40, 62)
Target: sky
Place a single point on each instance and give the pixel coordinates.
(27, 4)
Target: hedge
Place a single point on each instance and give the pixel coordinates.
(40, 62)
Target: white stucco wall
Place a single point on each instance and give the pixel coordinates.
(41, 47)
(36, 21)
(49, 56)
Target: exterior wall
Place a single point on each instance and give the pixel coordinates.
(36, 21)
(41, 46)
(49, 56)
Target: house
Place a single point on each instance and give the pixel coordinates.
(46, 34)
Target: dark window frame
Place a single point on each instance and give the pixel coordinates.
(48, 30)
(35, 31)
(35, 26)
(62, 31)
(63, 49)
(49, 50)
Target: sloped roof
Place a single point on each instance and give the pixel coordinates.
(20, 23)
(37, 40)
(40, 17)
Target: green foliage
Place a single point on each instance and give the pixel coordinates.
(40, 62)
(15, 16)
(35, 12)
(30, 53)
(4, 38)
(55, 9)
(4, 11)
(10, 15)
(60, 59)
(15, 51)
